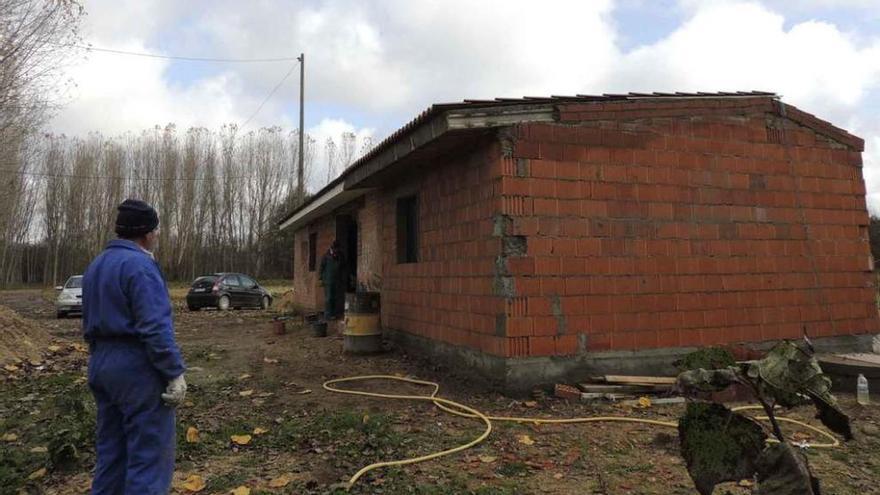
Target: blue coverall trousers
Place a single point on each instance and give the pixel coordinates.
(136, 434)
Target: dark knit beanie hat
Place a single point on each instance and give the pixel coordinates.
(135, 218)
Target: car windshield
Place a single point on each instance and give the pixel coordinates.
(74, 283)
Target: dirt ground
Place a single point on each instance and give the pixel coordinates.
(242, 377)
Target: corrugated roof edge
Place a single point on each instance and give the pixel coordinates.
(436, 108)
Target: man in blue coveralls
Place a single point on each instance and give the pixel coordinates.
(135, 368)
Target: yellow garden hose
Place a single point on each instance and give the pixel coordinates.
(462, 410)
(432, 398)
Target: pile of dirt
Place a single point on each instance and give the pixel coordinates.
(285, 303)
(21, 339)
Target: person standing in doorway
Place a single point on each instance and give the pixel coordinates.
(330, 273)
(135, 368)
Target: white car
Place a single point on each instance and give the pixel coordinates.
(69, 298)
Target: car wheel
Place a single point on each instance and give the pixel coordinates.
(223, 303)
(266, 302)
(60, 315)
(192, 308)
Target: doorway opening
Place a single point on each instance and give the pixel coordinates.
(347, 235)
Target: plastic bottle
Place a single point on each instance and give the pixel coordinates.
(862, 390)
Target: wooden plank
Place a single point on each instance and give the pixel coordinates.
(605, 387)
(850, 365)
(656, 401)
(606, 396)
(650, 380)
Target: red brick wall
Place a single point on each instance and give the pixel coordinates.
(650, 226)
(369, 243)
(448, 295)
(306, 291)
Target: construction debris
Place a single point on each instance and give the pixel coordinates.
(618, 387)
(566, 392)
(622, 389)
(640, 380)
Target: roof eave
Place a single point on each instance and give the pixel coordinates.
(349, 185)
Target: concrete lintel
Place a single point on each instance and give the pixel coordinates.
(499, 116)
(327, 202)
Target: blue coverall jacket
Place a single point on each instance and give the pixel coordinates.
(127, 321)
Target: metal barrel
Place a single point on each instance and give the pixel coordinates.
(362, 333)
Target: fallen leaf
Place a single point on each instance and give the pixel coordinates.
(194, 483)
(54, 348)
(525, 439)
(39, 450)
(488, 458)
(80, 380)
(244, 376)
(746, 483)
(246, 393)
(644, 402)
(213, 355)
(34, 362)
(260, 431)
(366, 419)
(9, 437)
(800, 437)
(558, 476)
(79, 347)
(241, 439)
(269, 360)
(242, 490)
(192, 435)
(530, 403)
(280, 482)
(11, 368)
(39, 473)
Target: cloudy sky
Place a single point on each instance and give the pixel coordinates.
(371, 66)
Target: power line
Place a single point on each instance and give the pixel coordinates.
(271, 93)
(176, 57)
(119, 177)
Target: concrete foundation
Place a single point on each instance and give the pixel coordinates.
(518, 376)
(362, 344)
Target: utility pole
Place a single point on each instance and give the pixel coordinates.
(300, 187)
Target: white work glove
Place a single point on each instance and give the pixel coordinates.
(175, 391)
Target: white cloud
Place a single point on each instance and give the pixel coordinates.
(118, 94)
(400, 55)
(871, 172)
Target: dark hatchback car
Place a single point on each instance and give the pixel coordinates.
(227, 290)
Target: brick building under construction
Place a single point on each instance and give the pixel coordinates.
(540, 238)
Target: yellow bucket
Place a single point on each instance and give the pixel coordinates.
(362, 325)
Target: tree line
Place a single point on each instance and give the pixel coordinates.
(220, 195)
